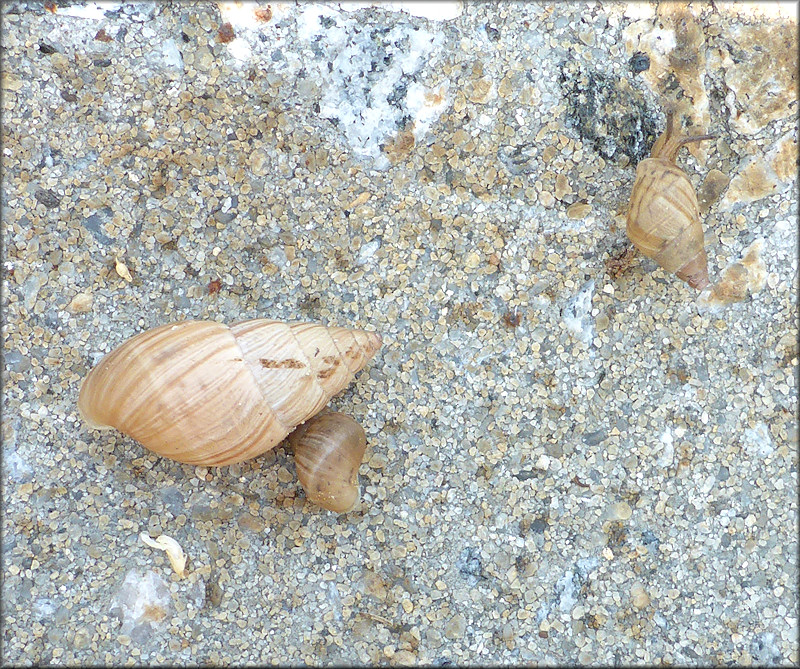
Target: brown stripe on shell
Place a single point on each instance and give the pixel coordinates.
(319, 343)
(290, 389)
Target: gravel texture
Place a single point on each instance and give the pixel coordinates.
(570, 458)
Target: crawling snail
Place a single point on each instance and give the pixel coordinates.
(205, 393)
(664, 218)
(327, 452)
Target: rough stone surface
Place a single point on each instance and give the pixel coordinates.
(570, 459)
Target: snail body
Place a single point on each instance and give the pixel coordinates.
(327, 452)
(664, 218)
(206, 393)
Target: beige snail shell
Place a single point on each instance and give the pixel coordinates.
(664, 218)
(327, 452)
(205, 393)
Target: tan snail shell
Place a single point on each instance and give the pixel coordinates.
(664, 218)
(327, 452)
(205, 393)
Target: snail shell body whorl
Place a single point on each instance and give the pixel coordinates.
(664, 218)
(205, 393)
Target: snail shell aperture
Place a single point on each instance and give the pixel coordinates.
(205, 393)
(664, 218)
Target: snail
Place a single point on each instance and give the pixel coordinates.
(327, 452)
(206, 393)
(664, 219)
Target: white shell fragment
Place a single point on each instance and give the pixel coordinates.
(177, 557)
(123, 270)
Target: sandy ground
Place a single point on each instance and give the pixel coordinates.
(572, 456)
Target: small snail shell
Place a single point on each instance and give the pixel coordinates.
(327, 452)
(664, 219)
(205, 393)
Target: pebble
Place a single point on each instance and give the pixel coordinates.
(472, 260)
(639, 596)
(455, 627)
(578, 210)
(81, 303)
(619, 511)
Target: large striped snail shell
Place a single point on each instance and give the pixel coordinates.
(664, 218)
(205, 393)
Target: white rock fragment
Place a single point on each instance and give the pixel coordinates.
(435, 10)
(567, 592)
(44, 607)
(335, 601)
(177, 557)
(170, 56)
(240, 49)
(638, 10)
(668, 454)
(30, 290)
(568, 587)
(577, 313)
(368, 250)
(757, 441)
(784, 236)
(91, 10)
(250, 15)
(16, 467)
(368, 77)
(142, 598)
(426, 105)
(708, 484)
